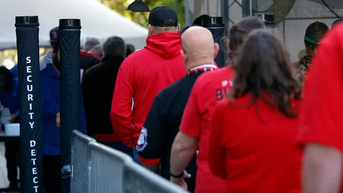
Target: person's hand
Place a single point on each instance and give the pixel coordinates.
(58, 119)
(13, 118)
(181, 181)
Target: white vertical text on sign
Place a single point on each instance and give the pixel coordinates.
(33, 143)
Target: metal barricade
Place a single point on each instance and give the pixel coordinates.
(80, 162)
(97, 168)
(140, 180)
(107, 169)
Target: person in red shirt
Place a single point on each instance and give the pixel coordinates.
(145, 73)
(209, 89)
(253, 135)
(321, 125)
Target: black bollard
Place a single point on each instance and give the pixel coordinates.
(216, 26)
(30, 104)
(70, 91)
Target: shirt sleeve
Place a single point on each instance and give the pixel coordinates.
(217, 158)
(121, 114)
(322, 108)
(151, 143)
(191, 118)
(50, 106)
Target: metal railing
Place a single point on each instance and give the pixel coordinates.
(97, 168)
(80, 162)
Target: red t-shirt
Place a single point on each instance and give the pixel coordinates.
(255, 154)
(321, 119)
(208, 90)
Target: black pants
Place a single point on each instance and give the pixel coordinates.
(12, 153)
(52, 173)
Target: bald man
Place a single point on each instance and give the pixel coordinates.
(163, 120)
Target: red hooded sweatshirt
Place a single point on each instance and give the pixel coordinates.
(141, 77)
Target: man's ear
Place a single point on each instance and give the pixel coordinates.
(184, 55)
(178, 28)
(216, 49)
(151, 30)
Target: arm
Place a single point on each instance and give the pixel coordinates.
(321, 125)
(183, 150)
(121, 114)
(217, 158)
(151, 143)
(322, 169)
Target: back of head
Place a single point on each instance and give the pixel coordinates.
(163, 19)
(314, 33)
(240, 31)
(198, 44)
(129, 49)
(114, 46)
(98, 47)
(263, 67)
(54, 35)
(90, 43)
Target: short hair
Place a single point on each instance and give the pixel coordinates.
(114, 46)
(98, 47)
(169, 25)
(90, 43)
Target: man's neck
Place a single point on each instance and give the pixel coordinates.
(195, 63)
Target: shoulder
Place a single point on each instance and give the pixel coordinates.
(137, 55)
(93, 70)
(216, 76)
(47, 72)
(172, 89)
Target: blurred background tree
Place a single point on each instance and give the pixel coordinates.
(120, 7)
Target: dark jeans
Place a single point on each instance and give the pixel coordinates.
(12, 153)
(52, 173)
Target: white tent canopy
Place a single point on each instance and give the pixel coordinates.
(97, 20)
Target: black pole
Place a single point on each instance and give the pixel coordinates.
(246, 8)
(226, 19)
(70, 91)
(30, 104)
(216, 26)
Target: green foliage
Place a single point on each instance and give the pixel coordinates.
(120, 7)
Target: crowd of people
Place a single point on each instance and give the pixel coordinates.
(247, 127)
